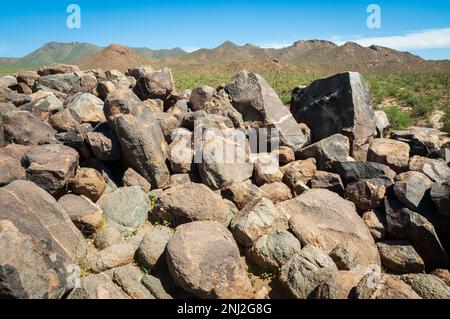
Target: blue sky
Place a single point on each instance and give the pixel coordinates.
(422, 27)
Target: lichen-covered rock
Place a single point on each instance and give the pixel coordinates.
(204, 259)
(306, 270)
(176, 205)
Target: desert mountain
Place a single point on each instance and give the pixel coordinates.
(160, 54)
(318, 55)
(114, 56)
(57, 52)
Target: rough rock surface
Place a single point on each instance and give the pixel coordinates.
(400, 257)
(176, 205)
(345, 97)
(203, 258)
(306, 270)
(127, 206)
(323, 218)
(252, 96)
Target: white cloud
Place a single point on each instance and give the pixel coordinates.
(275, 45)
(416, 40)
(190, 49)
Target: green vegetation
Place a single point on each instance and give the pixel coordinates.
(397, 118)
(152, 198)
(406, 98)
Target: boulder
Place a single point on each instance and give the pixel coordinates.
(338, 104)
(276, 192)
(117, 255)
(108, 236)
(266, 169)
(104, 144)
(376, 222)
(422, 141)
(138, 71)
(284, 154)
(223, 158)
(204, 259)
(345, 256)
(63, 83)
(43, 106)
(253, 97)
(339, 286)
(383, 286)
(330, 181)
(382, 123)
(129, 279)
(241, 193)
(176, 206)
(323, 218)
(273, 251)
(181, 154)
(88, 182)
(442, 274)
(64, 120)
(143, 145)
(253, 221)
(352, 172)
(10, 170)
(57, 68)
(21, 254)
(335, 148)
(87, 106)
(392, 153)
(440, 195)
(21, 127)
(98, 286)
(413, 189)
(299, 171)
(86, 215)
(51, 166)
(366, 194)
(404, 224)
(132, 178)
(200, 96)
(33, 211)
(399, 257)
(27, 77)
(155, 85)
(436, 170)
(427, 286)
(152, 247)
(127, 206)
(306, 270)
(7, 81)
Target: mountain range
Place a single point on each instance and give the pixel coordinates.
(319, 55)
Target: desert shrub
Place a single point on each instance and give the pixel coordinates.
(397, 118)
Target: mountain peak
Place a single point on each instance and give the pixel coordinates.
(228, 44)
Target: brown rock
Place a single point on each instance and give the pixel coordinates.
(192, 202)
(88, 182)
(204, 259)
(132, 178)
(321, 216)
(276, 192)
(392, 153)
(50, 166)
(87, 216)
(400, 258)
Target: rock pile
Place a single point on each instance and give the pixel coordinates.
(153, 193)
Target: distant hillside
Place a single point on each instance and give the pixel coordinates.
(325, 56)
(316, 55)
(159, 54)
(8, 61)
(114, 56)
(57, 52)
